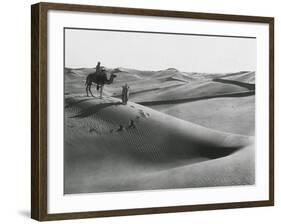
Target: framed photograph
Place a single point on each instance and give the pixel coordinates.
(141, 111)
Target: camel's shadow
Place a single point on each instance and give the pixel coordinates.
(95, 108)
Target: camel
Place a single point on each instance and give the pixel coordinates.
(100, 80)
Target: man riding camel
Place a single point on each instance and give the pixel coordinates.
(98, 69)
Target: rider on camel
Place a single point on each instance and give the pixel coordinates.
(98, 69)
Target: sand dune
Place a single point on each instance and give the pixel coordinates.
(199, 89)
(226, 171)
(246, 77)
(233, 114)
(96, 159)
(248, 86)
(159, 85)
(194, 130)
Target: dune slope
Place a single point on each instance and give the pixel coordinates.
(115, 147)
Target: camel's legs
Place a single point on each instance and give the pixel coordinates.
(101, 88)
(87, 90)
(91, 90)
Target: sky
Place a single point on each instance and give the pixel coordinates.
(150, 51)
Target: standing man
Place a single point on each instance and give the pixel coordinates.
(125, 93)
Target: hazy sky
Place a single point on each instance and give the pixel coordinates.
(146, 51)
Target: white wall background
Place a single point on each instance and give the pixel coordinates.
(15, 111)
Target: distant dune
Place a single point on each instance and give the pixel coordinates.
(166, 84)
(197, 130)
(246, 77)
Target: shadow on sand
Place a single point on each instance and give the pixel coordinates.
(192, 99)
(214, 151)
(94, 109)
(70, 102)
(248, 86)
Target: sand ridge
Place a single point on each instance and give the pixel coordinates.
(195, 141)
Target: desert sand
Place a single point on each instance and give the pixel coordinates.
(189, 130)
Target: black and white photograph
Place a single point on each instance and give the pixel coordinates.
(153, 111)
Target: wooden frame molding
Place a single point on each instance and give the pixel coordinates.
(39, 202)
